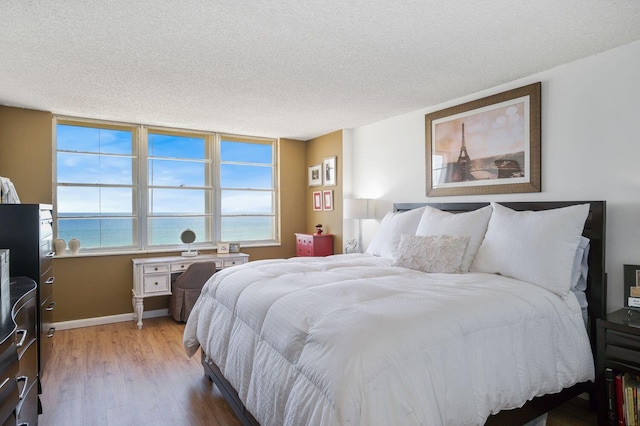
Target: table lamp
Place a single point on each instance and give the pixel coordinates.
(359, 208)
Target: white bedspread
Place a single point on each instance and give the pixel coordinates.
(350, 340)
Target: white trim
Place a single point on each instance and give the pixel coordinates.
(109, 319)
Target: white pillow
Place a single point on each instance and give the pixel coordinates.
(471, 224)
(538, 247)
(433, 253)
(580, 265)
(385, 242)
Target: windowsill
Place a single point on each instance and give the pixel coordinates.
(211, 249)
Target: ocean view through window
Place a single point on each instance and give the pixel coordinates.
(126, 187)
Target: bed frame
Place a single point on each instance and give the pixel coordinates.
(594, 229)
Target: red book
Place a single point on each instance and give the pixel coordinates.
(618, 385)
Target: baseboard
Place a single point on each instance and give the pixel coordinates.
(109, 319)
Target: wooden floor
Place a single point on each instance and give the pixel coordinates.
(116, 374)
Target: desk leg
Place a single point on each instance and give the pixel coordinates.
(138, 309)
(133, 303)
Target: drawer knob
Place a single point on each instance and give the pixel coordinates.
(51, 306)
(155, 269)
(51, 332)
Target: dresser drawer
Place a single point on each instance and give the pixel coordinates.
(156, 283)
(303, 250)
(46, 284)
(8, 384)
(28, 363)
(47, 330)
(305, 240)
(27, 409)
(25, 319)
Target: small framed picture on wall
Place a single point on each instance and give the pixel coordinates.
(329, 171)
(317, 201)
(315, 175)
(327, 200)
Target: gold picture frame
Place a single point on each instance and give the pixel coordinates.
(497, 153)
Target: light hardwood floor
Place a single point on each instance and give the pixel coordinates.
(117, 375)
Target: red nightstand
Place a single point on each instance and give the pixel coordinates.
(314, 245)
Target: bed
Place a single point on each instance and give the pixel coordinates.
(336, 341)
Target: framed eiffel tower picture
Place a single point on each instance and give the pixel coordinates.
(487, 146)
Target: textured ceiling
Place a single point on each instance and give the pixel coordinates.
(286, 68)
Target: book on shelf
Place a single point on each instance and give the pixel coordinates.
(623, 398)
(618, 399)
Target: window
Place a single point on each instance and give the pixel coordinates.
(131, 187)
(179, 187)
(247, 196)
(96, 185)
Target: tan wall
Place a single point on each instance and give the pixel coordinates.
(88, 287)
(329, 145)
(26, 155)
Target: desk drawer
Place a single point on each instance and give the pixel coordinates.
(180, 267)
(150, 269)
(231, 262)
(156, 283)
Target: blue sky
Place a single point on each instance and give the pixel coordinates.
(180, 165)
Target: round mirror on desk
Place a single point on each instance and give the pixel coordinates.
(188, 237)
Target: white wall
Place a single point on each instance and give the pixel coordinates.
(590, 151)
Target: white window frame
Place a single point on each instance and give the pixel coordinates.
(141, 185)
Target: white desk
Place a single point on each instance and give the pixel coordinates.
(152, 275)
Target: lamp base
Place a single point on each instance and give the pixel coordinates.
(189, 253)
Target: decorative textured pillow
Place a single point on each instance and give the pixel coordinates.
(471, 224)
(534, 246)
(433, 253)
(385, 242)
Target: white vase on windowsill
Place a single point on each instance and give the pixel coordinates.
(74, 246)
(59, 246)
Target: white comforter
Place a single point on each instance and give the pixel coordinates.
(350, 340)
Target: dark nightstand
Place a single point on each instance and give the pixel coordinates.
(314, 245)
(618, 343)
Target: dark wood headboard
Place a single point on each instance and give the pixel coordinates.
(594, 229)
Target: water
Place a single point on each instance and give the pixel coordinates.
(119, 232)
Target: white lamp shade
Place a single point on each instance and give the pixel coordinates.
(358, 208)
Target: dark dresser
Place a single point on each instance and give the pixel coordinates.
(27, 231)
(18, 355)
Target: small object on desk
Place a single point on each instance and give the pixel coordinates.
(319, 229)
(188, 236)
